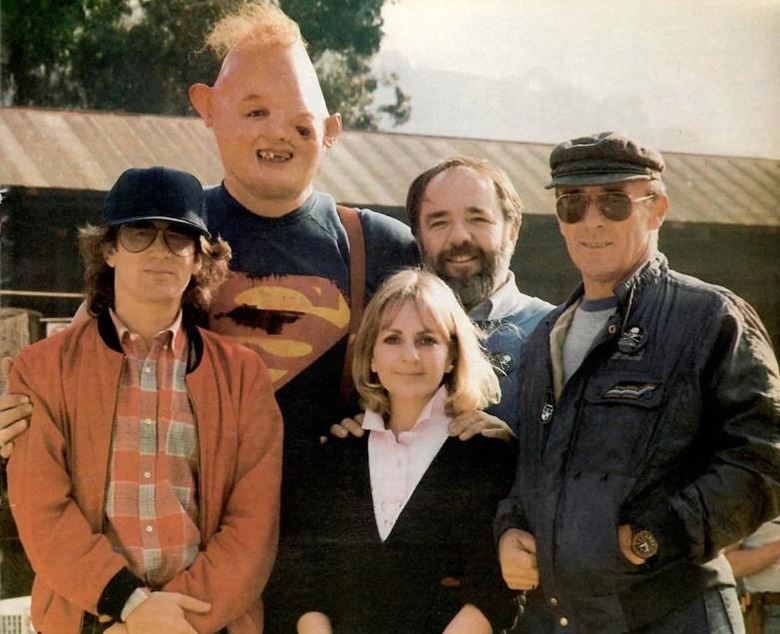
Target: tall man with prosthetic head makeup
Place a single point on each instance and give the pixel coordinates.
(288, 293)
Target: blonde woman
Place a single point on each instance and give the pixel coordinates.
(404, 532)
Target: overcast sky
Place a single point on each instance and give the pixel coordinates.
(684, 75)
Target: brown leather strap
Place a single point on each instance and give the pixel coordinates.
(753, 608)
(357, 295)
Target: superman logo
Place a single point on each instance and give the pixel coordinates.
(290, 320)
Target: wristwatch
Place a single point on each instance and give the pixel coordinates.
(644, 544)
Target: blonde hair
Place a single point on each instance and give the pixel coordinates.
(259, 23)
(472, 383)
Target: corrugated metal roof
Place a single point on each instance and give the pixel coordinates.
(88, 150)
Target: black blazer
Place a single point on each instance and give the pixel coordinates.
(439, 556)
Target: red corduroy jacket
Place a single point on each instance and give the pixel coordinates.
(58, 476)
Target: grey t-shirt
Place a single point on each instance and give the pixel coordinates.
(589, 318)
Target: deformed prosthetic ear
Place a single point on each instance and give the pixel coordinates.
(332, 130)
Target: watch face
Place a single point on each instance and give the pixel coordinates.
(644, 544)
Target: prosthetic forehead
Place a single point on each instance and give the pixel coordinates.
(289, 62)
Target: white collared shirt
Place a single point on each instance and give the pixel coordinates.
(507, 300)
(398, 464)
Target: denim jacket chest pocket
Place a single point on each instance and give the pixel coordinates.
(616, 421)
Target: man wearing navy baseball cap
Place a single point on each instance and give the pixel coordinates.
(146, 491)
(649, 418)
(157, 193)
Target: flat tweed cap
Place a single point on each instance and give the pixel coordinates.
(607, 157)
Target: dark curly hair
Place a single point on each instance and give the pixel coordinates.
(99, 277)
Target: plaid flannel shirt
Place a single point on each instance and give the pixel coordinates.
(151, 504)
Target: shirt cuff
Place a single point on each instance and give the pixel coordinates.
(117, 592)
(135, 600)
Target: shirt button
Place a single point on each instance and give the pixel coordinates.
(563, 621)
(148, 421)
(147, 474)
(147, 368)
(149, 529)
(554, 602)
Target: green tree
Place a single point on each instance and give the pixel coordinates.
(140, 55)
(39, 41)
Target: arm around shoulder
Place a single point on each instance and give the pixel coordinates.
(390, 244)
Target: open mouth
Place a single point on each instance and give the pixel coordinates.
(460, 259)
(274, 157)
(462, 254)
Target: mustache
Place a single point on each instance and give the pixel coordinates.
(467, 248)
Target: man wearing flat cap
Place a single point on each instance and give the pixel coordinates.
(146, 491)
(648, 419)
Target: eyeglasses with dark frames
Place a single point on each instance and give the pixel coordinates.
(140, 235)
(617, 206)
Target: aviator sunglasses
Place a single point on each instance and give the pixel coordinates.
(139, 235)
(571, 208)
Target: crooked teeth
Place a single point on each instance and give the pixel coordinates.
(266, 155)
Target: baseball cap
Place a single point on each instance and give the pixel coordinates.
(157, 193)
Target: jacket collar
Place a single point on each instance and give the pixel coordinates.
(644, 275)
(109, 335)
(651, 270)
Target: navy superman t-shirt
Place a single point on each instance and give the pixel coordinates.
(288, 299)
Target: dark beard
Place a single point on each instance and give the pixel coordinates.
(471, 289)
